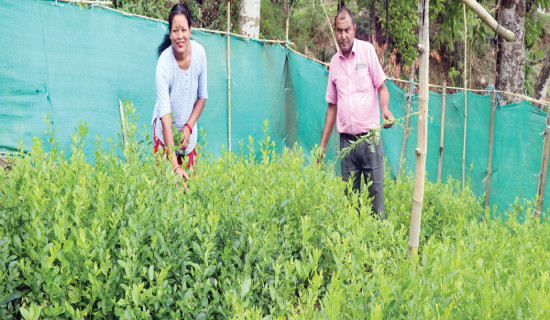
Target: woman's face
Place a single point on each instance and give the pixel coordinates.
(180, 33)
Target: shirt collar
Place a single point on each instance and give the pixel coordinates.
(341, 55)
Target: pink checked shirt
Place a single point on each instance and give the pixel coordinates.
(353, 86)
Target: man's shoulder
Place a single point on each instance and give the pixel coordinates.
(364, 45)
(335, 59)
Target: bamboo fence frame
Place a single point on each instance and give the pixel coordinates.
(123, 125)
(406, 130)
(422, 137)
(198, 29)
(442, 135)
(465, 99)
(490, 161)
(286, 28)
(330, 26)
(543, 168)
(100, 3)
(483, 91)
(229, 72)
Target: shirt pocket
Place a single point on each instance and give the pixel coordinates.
(363, 81)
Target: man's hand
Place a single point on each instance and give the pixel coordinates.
(387, 116)
(329, 124)
(320, 156)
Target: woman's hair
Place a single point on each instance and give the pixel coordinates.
(179, 8)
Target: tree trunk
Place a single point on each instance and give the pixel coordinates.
(341, 3)
(387, 23)
(373, 19)
(249, 18)
(511, 55)
(544, 80)
(422, 139)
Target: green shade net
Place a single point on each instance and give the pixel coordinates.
(74, 64)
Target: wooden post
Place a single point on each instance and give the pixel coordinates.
(442, 135)
(229, 72)
(287, 22)
(329, 24)
(422, 141)
(101, 3)
(465, 99)
(123, 125)
(406, 131)
(491, 132)
(543, 168)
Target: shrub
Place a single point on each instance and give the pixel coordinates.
(258, 234)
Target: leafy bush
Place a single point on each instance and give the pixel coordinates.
(445, 210)
(257, 234)
(209, 14)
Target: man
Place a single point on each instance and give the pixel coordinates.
(355, 81)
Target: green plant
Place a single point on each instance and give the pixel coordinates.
(259, 234)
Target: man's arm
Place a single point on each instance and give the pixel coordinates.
(329, 124)
(384, 96)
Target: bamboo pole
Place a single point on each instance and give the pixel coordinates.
(422, 141)
(489, 165)
(543, 168)
(104, 3)
(491, 22)
(123, 125)
(442, 134)
(406, 131)
(229, 73)
(310, 58)
(196, 29)
(287, 22)
(329, 25)
(481, 91)
(465, 99)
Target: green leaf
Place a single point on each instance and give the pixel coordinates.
(245, 287)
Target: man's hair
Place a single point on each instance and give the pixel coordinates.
(343, 11)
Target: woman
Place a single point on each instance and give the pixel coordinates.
(181, 89)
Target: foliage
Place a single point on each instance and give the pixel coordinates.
(257, 234)
(401, 23)
(273, 21)
(208, 14)
(310, 30)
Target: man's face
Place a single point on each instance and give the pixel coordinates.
(345, 32)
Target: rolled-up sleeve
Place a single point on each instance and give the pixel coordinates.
(163, 91)
(203, 76)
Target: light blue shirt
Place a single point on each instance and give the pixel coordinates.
(178, 90)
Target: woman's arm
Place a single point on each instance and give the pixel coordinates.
(166, 121)
(195, 114)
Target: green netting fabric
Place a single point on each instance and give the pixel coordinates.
(75, 64)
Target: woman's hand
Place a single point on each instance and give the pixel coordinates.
(180, 172)
(186, 136)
